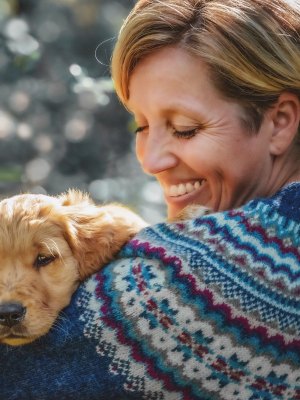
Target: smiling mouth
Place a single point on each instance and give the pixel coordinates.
(184, 188)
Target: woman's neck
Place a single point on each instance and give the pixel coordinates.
(286, 170)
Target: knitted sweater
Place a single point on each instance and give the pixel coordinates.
(203, 309)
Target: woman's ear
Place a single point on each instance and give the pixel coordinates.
(285, 115)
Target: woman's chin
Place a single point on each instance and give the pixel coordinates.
(175, 205)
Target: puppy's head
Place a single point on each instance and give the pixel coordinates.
(47, 246)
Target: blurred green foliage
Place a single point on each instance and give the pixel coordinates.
(12, 174)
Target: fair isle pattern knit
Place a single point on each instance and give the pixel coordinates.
(205, 309)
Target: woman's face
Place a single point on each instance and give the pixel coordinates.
(192, 139)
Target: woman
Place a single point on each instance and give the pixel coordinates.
(206, 308)
(215, 92)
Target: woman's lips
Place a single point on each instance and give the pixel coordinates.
(183, 194)
(200, 195)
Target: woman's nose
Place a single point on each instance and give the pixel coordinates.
(155, 153)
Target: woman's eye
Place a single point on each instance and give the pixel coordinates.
(42, 260)
(140, 129)
(188, 134)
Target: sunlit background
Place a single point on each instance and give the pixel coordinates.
(61, 124)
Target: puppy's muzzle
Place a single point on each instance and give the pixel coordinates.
(11, 314)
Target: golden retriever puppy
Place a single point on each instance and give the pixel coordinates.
(47, 246)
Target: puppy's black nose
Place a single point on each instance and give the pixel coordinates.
(11, 314)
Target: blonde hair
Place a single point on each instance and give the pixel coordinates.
(252, 47)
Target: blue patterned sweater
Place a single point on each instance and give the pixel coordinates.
(204, 309)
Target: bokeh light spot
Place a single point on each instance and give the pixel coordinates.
(37, 170)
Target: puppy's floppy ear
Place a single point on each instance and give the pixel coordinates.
(96, 233)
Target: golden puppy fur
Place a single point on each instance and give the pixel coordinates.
(47, 246)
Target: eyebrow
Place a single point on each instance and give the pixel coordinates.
(179, 108)
(175, 109)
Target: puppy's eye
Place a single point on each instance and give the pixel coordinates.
(42, 260)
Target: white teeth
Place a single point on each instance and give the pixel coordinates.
(181, 189)
(173, 191)
(184, 188)
(189, 187)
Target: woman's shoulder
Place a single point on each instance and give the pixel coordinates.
(286, 202)
(213, 301)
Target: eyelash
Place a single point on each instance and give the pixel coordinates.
(178, 134)
(140, 129)
(185, 134)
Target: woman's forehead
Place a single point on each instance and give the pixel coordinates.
(168, 73)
